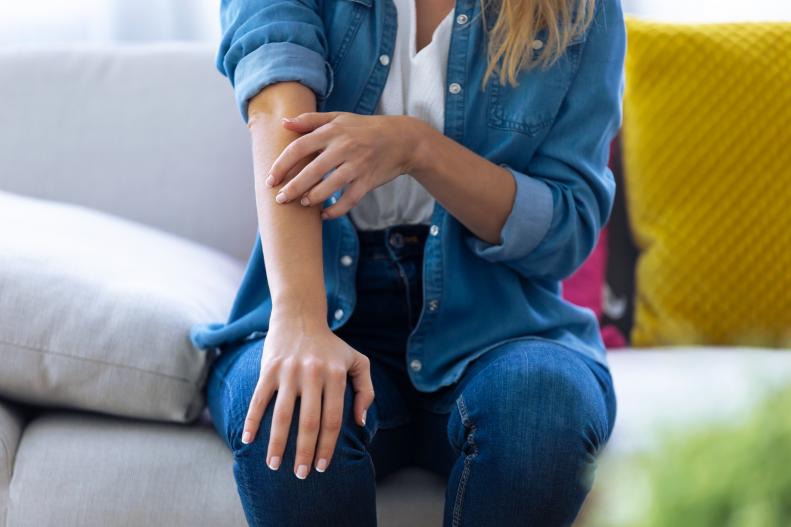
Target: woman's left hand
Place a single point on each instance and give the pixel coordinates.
(366, 151)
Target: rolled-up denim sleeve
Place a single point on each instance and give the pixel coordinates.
(268, 41)
(565, 192)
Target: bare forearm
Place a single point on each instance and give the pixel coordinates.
(474, 190)
(290, 234)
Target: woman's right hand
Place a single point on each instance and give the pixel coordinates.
(303, 357)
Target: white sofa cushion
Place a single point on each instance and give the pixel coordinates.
(95, 311)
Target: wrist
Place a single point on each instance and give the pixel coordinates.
(306, 314)
(421, 144)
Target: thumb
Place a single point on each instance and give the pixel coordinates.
(308, 121)
(360, 373)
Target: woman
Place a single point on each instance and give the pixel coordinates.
(442, 170)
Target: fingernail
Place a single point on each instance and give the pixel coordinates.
(305, 201)
(280, 198)
(287, 119)
(321, 466)
(246, 436)
(365, 411)
(302, 471)
(274, 462)
(270, 181)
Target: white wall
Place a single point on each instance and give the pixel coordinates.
(146, 20)
(108, 20)
(710, 10)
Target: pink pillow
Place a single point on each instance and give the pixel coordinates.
(586, 288)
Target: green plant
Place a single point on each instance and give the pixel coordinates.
(722, 475)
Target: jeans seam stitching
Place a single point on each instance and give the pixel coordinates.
(460, 492)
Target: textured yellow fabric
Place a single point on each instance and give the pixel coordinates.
(707, 160)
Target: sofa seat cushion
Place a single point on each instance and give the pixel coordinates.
(95, 311)
(12, 421)
(102, 470)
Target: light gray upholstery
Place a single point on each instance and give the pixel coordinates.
(79, 469)
(147, 132)
(105, 471)
(11, 425)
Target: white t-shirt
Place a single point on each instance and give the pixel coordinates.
(415, 86)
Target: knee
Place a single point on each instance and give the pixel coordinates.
(532, 412)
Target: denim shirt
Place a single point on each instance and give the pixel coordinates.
(552, 132)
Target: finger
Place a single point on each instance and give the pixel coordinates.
(350, 197)
(311, 175)
(296, 169)
(325, 188)
(281, 423)
(331, 417)
(291, 154)
(255, 411)
(308, 121)
(363, 387)
(309, 420)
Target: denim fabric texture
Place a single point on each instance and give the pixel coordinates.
(552, 132)
(515, 438)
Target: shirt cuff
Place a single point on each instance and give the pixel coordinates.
(526, 225)
(277, 62)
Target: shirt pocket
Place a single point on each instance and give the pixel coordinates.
(531, 107)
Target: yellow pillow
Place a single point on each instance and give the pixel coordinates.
(707, 167)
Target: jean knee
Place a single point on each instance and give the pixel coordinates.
(531, 406)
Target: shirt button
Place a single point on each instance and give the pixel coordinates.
(346, 260)
(461, 19)
(454, 88)
(338, 314)
(384, 60)
(538, 44)
(433, 304)
(433, 230)
(415, 365)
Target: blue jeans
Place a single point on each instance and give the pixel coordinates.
(516, 437)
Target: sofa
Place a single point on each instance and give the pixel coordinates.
(150, 133)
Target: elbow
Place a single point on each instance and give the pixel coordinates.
(581, 236)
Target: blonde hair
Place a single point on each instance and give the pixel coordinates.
(518, 24)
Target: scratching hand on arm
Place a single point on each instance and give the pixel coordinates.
(367, 151)
(302, 357)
